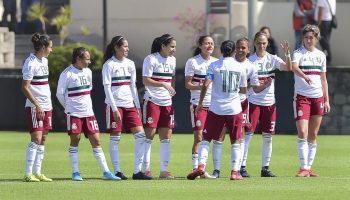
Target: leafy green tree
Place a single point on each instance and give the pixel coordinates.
(62, 21)
(38, 11)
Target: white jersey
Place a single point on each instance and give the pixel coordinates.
(266, 67)
(227, 77)
(75, 86)
(121, 76)
(312, 64)
(162, 70)
(197, 68)
(252, 75)
(36, 71)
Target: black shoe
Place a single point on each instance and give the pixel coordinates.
(121, 175)
(267, 173)
(244, 173)
(141, 176)
(216, 173)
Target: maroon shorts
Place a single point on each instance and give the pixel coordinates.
(130, 118)
(198, 120)
(155, 116)
(265, 115)
(245, 112)
(214, 124)
(34, 123)
(305, 107)
(88, 125)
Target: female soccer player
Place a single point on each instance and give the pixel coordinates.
(311, 96)
(158, 113)
(73, 92)
(228, 79)
(262, 107)
(195, 72)
(123, 106)
(38, 107)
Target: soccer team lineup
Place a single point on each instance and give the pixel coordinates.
(232, 94)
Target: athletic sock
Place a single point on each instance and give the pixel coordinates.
(203, 152)
(147, 155)
(235, 156)
(101, 159)
(164, 154)
(266, 149)
(139, 150)
(30, 156)
(38, 159)
(303, 150)
(194, 160)
(217, 151)
(73, 155)
(311, 154)
(247, 138)
(114, 152)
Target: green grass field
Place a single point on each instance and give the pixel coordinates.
(332, 163)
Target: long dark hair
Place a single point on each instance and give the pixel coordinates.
(227, 48)
(200, 42)
(116, 41)
(40, 41)
(159, 41)
(78, 53)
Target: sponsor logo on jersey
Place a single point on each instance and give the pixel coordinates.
(300, 113)
(198, 123)
(150, 120)
(74, 126)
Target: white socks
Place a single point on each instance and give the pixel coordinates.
(101, 159)
(139, 150)
(242, 152)
(30, 157)
(247, 138)
(311, 154)
(73, 155)
(235, 156)
(164, 154)
(38, 159)
(266, 149)
(194, 160)
(147, 155)
(217, 150)
(114, 152)
(303, 151)
(203, 152)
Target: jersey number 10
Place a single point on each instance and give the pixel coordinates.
(230, 81)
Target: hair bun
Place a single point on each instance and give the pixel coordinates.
(35, 37)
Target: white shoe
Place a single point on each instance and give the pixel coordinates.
(207, 175)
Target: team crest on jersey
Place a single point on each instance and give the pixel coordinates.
(114, 124)
(268, 66)
(74, 126)
(40, 124)
(198, 123)
(300, 113)
(150, 120)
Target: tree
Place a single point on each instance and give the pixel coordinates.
(62, 22)
(37, 11)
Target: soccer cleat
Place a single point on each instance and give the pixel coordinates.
(166, 175)
(235, 176)
(109, 176)
(121, 176)
(148, 173)
(197, 172)
(30, 178)
(303, 173)
(43, 178)
(216, 173)
(141, 176)
(313, 174)
(244, 172)
(207, 176)
(266, 173)
(76, 177)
